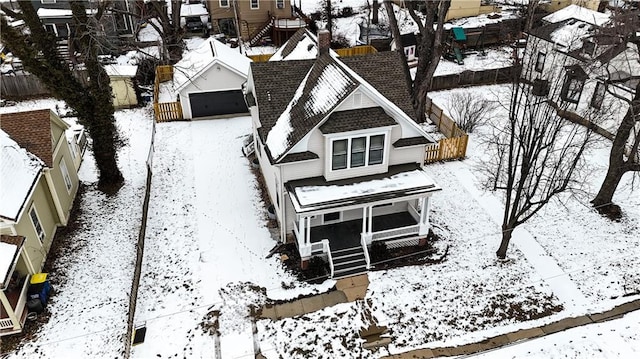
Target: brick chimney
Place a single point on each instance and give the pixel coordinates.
(324, 41)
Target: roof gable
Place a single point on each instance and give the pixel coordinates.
(302, 45)
(32, 131)
(197, 61)
(19, 172)
(323, 88)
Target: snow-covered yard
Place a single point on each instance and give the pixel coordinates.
(93, 270)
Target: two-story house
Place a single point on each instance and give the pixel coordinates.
(341, 155)
(38, 184)
(572, 63)
(253, 20)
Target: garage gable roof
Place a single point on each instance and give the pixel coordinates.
(196, 62)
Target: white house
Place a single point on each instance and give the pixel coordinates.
(574, 63)
(341, 156)
(208, 81)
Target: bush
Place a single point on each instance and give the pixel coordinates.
(379, 252)
(469, 111)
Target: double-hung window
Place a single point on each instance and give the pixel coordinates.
(540, 61)
(598, 96)
(36, 223)
(572, 89)
(65, 175)
(357, 152)
(280, 4)
(224, 3)
(255, 4)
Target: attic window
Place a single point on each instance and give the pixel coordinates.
(589, 48)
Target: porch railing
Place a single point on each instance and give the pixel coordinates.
(324, 248)
(7, 323)
(395, 232)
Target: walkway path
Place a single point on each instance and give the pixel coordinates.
(521, 335)
(546, 266)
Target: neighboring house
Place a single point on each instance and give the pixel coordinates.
(464, 8)
(122, 85)
(555, 5)
(571, 61)
(208, 81)
(340, 154)
(579, 13)
(410, 44)
(255, 18)
(38, 184)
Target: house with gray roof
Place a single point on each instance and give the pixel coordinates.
(341, 154)
(575, 63)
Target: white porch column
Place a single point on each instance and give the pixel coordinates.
(9, 310)
(307, 236)
(424, 216)
(370, 230)
(302, 231)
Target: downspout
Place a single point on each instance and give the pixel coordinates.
(280, 193)
(54, 194)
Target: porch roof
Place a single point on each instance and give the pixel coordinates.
(400, 181)
(9, 251)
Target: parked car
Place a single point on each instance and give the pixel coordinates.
(194, 24)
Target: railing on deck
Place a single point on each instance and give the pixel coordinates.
(165, 111)
(395, 232)
(451, 148)
(6, 323)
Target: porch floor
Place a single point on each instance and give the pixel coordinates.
(347, 234)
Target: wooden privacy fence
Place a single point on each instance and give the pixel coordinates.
(27, 85)
(348, 52)
(454, 146)
(474, 78)
(165, 111)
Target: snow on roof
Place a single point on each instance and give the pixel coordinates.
(7, 254)
(48, 13)
(310, 196)
(301, 46)
(571, 34)
(324, 94)
(121, 70)
(579, 13)
(197, 61)
(19, 171)
(193, 10)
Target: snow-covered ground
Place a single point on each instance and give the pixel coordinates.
(93, 273)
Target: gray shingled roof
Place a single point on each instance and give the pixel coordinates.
(276, 83)
(292, 43)
(352, 120)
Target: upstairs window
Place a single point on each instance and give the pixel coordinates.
(598, 96)
(255, 4)
(224, 3)
(357, 152)
(540, 61)
(572, 89)
(35, 220)
(280, 4)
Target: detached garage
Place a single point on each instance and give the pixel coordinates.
(208, 81)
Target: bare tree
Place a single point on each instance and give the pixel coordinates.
(429, 48)
(624, 156)
(93, 102)
(469, 111)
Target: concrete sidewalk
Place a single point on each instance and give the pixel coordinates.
(347, 290)
(521, 335)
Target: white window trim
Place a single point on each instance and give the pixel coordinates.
(42, 235)
(225, 6)
(257, 4)
(280, 4)
(47, 1)
(367, 150)
(541, 63)
(65, 175)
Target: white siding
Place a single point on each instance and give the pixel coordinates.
(217, 78)
(356, 100)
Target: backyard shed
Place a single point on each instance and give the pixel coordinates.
(122, 87)
(208, 81)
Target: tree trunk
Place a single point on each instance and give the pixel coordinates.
(376, 6)
(618, 166)
(393, 24)
(507, 231)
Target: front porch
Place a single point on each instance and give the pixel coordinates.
(348, 234)
(13, 311)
